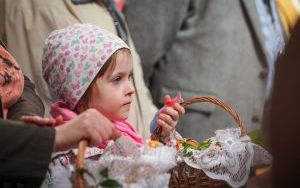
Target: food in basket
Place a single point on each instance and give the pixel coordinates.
(154, 144)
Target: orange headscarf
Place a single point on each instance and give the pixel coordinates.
(11, 80)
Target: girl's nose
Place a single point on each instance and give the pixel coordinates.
(130, 88)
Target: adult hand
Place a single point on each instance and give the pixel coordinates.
(90, 125)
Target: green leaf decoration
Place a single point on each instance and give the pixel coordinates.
(257, 138)
(186, 146)
(255, 135)
(110, 183)
(205, 144)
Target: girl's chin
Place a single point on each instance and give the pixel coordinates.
(122, 117)
(118, 116)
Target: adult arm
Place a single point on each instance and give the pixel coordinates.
(25, 152)
(26, 149)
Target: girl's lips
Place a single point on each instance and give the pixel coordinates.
(127, 104)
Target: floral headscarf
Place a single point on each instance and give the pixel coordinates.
(73, 56)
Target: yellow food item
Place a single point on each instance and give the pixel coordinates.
(154, 144)
(192, 142)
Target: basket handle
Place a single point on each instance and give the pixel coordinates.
(79, 180)
(209, 99)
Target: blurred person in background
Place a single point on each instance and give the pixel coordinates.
(208, 47)
(283, 119)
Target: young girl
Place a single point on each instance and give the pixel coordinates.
(88, 67)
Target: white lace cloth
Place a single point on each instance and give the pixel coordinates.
(147, 170)
(228, 157)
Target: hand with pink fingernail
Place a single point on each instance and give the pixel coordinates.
(168, 116)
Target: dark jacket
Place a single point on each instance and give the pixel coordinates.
(25, 149)
(25, 153)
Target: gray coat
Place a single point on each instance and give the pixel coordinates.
(202, 47)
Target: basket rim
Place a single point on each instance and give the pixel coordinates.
(209, 99)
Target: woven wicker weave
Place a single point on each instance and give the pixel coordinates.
(182, 176)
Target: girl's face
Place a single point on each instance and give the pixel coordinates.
(112, 93)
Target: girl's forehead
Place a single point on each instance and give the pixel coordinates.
(121, 62)
(124, 60)
(122, 67)
(123, 52)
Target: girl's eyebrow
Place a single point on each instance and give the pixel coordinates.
(111, 76)
(117, 73)
(121, 73)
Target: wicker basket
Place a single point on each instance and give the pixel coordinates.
(182, 176)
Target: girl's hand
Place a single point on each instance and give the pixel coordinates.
(41, 121)
(169, 114)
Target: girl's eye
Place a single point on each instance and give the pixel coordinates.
(117, 79)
